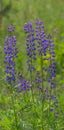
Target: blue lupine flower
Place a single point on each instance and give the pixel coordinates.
(41, 38)
(42, 46)
(45, 46)
(28, 27)
(53, 97)
(10, 50)
(52, 72)
(23, 85)
(30, 45)
(52, 66)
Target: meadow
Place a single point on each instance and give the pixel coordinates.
(32, 109)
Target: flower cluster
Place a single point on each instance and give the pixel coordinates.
(10, 50)
(42, 45)
(23, 85)
(52, 68)
(30, 45)
(40, 53)
(52, 71)
(45, 45)
(41, 38)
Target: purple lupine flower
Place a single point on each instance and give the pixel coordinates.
(52, 66)
(28, 27)
(41, 38)
(30, 45)
(10, 50)
(52, 72)
(23, 85)
(42, 46)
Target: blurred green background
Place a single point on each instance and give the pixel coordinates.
(18, 12)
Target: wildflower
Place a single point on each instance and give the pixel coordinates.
(52, 72)
(30, 46)
(23, 85)
(41, 38)
(42, 45)
(10, 50)
(52, 67)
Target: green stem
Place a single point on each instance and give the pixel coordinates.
(33, 108)
(12, 98)
(42, 91)
(13, 105)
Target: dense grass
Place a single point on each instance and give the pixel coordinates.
(51, 12)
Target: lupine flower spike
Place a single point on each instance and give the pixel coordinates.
(30, 46)
(10, 50)
(52, 71)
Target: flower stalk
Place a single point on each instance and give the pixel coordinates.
(10, 50)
